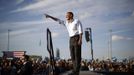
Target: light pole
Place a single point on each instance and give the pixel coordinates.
(110, 43)
(8, 40)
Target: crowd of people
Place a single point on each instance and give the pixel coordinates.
(42, 67)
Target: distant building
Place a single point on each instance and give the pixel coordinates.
(57, 53)
(13, 54)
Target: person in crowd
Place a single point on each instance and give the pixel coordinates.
(26, 69)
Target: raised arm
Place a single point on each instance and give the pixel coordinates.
(54, 18)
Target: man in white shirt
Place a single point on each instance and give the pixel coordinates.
(75, 31)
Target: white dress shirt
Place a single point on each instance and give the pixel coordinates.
(74, 28)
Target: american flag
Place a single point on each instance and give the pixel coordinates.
(18, 54)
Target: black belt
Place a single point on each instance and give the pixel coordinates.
(74, 36)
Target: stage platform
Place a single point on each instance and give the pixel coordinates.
(101, 73)
(84, 73)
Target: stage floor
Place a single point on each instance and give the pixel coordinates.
(84, 73)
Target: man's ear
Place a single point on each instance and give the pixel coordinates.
(71, 15)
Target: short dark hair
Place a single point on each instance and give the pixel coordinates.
(26, 57)
(71, 13)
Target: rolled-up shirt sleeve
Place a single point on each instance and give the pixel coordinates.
(61, 22)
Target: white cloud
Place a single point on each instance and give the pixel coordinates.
(29, 22)
(23, 31)
(121, 31)
(19, 1)
(133, 13)
(117, 37)
(33, 6)
(54, 34)
(22, 27)
(39, 5)
(85, 15)
(20, 24)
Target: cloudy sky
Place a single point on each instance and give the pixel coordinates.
(27, 25)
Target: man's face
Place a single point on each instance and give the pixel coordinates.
(69, 16)
(22, 59)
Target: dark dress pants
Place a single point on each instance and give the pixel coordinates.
(75, 52)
